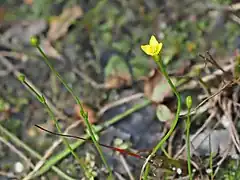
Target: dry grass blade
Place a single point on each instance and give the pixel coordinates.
(209, 119)
(126, 166)
(17, 151)
(49, 152)
(59, 25)
(119, 102)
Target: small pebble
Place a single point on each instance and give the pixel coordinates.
(208, 171)
(18, 167)
(179, 171)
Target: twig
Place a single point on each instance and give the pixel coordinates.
(235, 18)
(119, 102)
(119, 176)
(227, 122)
(88, 79)
(15, 55)
(50, 151)
(232, 7)
(212, 115)
(219, 163)
(192, 84)
(210, 97)
(8, 175)
(234, 135)
(170, 143)
(31, 151)
(126, 166)
(55, 159)
(212, 61)
(18, 152)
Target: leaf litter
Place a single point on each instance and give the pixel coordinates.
(155, 88)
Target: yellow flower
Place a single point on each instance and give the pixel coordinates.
(153, 48)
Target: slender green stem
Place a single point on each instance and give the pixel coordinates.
(188, 125)
(55, 159)
(163, 140)
(82, 112)
(42, 100)
(81, 162)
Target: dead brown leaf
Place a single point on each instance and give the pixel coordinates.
(60, 24)
(50, 50)
(22, 31)
(28, 2)
(114, 82)
(116, 73)
(91, 113)
(156, 87)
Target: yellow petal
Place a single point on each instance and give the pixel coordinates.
(158, 49)
(153, 41)
(147, 49)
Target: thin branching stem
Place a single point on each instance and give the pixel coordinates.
(82, 112)
(56, 158)
(42, 100)
(163, 140)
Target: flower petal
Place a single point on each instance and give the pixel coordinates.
(153, 41)
(147, 49)
(160, 46)
(158, 49)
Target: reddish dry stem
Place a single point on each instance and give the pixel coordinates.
(123, 151)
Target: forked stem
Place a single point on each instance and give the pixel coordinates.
(83, 113)
(163, 140)
(43, 101)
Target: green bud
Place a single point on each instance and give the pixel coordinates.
(188, 102)
(21, 78)
(34, 41)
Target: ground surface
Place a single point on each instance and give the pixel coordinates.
(95, 46)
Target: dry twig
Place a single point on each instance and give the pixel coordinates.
(18, 152)
(119, 102)
(50, 150)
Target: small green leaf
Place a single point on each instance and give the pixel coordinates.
(163, 113)
(116, 67)
(140, 66)
(121, 144)
(122, 46)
